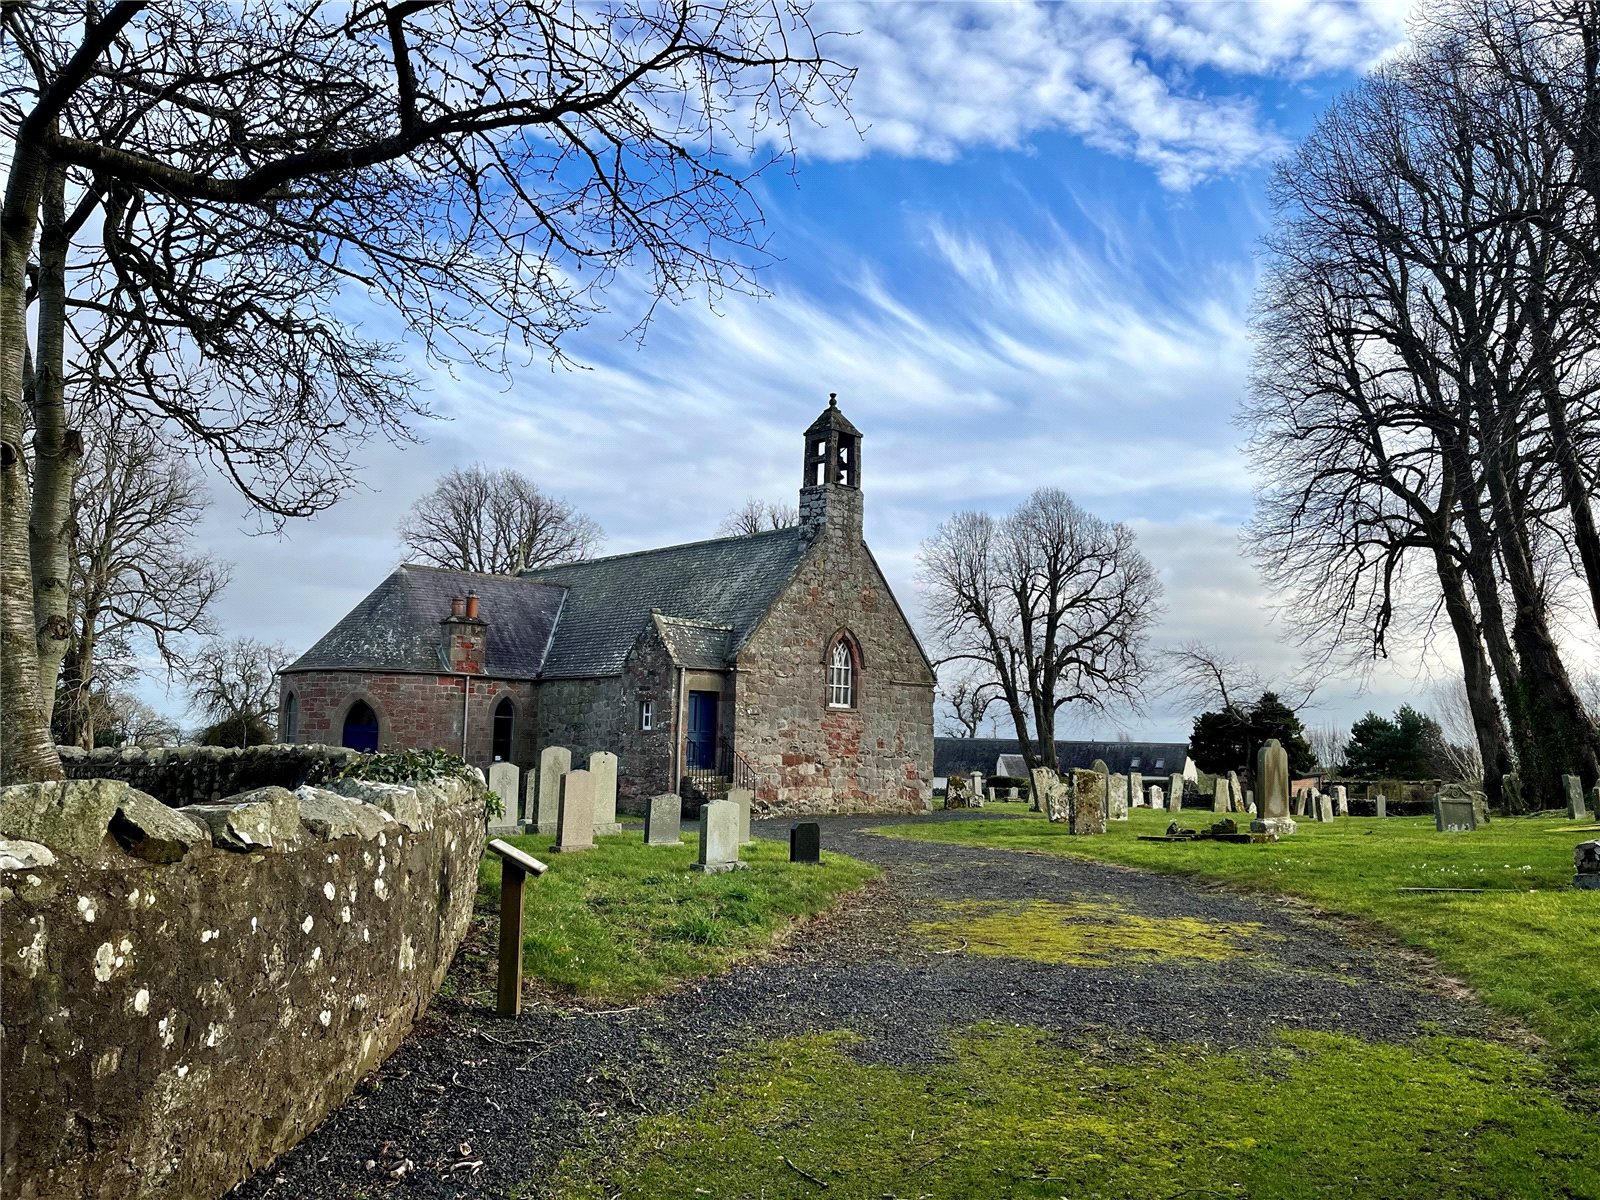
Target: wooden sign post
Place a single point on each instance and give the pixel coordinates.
(515, 867)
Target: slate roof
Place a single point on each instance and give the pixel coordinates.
(962, 756)
(396, 628)
(729, 582)
(697, 645)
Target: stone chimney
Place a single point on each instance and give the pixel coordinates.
(463, 636)
(830, 491)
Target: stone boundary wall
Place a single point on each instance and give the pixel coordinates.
(185, 993)
(182, 775)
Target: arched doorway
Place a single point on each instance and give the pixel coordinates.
(505, 721)
(360, 727)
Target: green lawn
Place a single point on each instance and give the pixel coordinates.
(1529, 945)
(625, 920)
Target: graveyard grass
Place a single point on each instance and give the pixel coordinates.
(1011, 1111)
(626, 920)
(1529, 945)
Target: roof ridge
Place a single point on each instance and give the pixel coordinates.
(698, 624)
(437, 570)
(534, 572)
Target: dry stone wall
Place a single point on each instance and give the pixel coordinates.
(188, 991)
(201, 774)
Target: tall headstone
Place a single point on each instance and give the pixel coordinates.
(1576, 809)
(1272, 790)
(805, 842)
(1099, 766)
(1511, 789)
(743, 798)
(554, 763)
(1324, 807)
(719, 837)
(1220, 796)
(1175, 792)
(1041, 778)
(1235, 793)
(1057, 799)
(505, 781)
(1454, 814)
(975, 782)
(1157, 800)
(1297, 803)
(1135, 788)
(1382, 803)
(1088, 803)
(1117, 804)
(603, 766)
(575, 824)
(663, 820)
(1341, 800)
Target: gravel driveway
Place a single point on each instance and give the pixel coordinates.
(469, 1088)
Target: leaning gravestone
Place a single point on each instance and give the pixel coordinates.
(1573, 786)
(1219, 795)
(554, 763)
(719, 838)
(1087, 812)
(1454, 814)
(1135, 789)
(1175, 792)
(1586, 864)
(743, 797)
(1272, 790)
(1235, 793)
(805, 842)
(603, 766)
(663, 821)
(575, 825)
(505, 781)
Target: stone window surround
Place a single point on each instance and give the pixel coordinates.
(336, 727)
(495, 701)
(289, 719)
(844, 637)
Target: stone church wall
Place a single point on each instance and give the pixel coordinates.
(644, 757)
(584, 715)
(176, 1012)
(875, 757)
(414, 711)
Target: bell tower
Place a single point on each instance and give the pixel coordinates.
(830, 491)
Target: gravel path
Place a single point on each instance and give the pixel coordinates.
(518, 1094)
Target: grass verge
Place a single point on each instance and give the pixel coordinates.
(625, 920)
(1014, 1113)
(1529, 944)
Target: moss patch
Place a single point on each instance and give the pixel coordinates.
(1078, 934)
(1015, 1113)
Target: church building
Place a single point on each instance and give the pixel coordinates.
(778, 661)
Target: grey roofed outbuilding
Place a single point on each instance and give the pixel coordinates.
(1012, 766)
(962, 756)
(396, 628)
(727, 582)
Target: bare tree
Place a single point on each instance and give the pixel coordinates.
(758, 516)
(496, 521)
(1451, 709)
(969, 700)
(1199, 676)
(215, 180)
(132, 722)
(235, 679)
(1328, 742)
(134, 579)
(1051, 604)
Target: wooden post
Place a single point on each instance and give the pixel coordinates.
(515, 867)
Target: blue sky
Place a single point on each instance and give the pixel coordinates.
(1033, 267)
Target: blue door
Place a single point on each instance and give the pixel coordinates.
(700, 737)
(361, 727)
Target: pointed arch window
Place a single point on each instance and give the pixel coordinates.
(360, 727)
(505, 724)
(290, 725)
(841, 676)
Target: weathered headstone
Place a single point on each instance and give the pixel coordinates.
(1511, 790)
(1341, 800)
(554, 763)
(743, 797)
(1297, 803)
(1157, 800)
(991, 795)
(1324, 807)
(1099, 765)
(1041, 778)
(1235, 793)
(1453, 814)
(975, 782)
(1219, 795)
(1087, 814)
(1135, 788)
(1382, 803)
(1272, 790)
(505, 781)
(603, 766)
(1175, 792)
(1573, 787)
(1054, 791)
(1011, 793)
(663, 820)
(805, 842)
(575, 823)
(1586, 865)
(1117, 803)
(719, 837)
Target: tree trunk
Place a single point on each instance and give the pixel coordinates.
(1475, 672)
(27, 751)
(56, 448)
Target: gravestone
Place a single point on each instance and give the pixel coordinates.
(991, 795)
(719, 838)
(1135, 789)
(529, 810)
(663, 821)
(505, 781)
(1324, 807)
(1157, 800)
(1054, 790)
(1595, 799)
(1099, 766)
(1341, 800)
(554, 763)
(1382, 802)
(1117, 805)
(975, 782)
(743, 797)
(1586, 865)
(575, 824)
(1041, 778)
(805, 842)
(1219, 795)
(1511, 791)
(1272, 791)
(1011, 793)
(1175, 792)
(603, 766)
(1573, 787)
(1297, 803)
(1454, 814)
(1087, 803)
(1235, 793)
